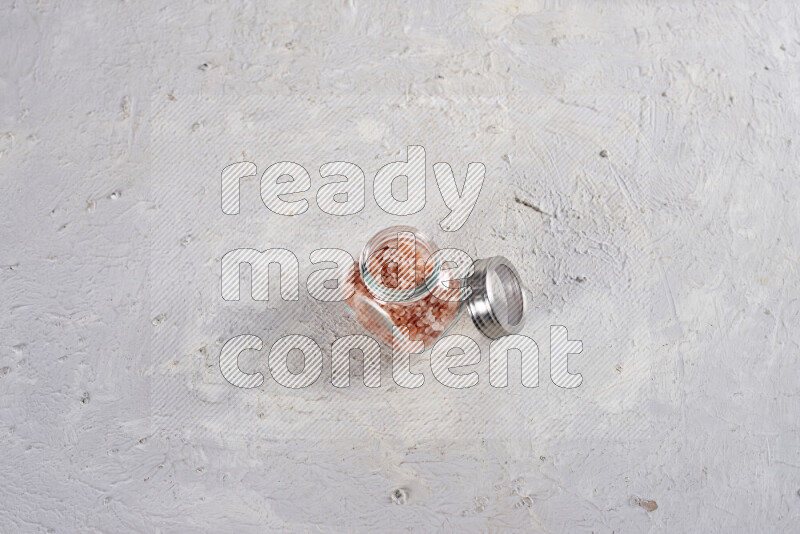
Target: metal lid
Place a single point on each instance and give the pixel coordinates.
(497, 302)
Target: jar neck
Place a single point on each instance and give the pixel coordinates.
(371, 264)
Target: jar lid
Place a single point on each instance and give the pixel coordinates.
(497, 302)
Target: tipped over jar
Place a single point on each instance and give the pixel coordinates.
(405, 287)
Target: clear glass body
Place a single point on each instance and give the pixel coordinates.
(393, 281)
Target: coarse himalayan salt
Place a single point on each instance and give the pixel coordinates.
(426, 317)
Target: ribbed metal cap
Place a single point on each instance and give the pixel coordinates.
(497, 302)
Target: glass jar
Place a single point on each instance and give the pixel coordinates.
(402, 285)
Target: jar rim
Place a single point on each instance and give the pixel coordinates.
(389, 294)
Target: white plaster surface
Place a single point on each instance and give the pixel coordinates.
(673, 257)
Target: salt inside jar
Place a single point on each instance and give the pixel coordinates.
(402, 287)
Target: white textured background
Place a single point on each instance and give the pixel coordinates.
(674, 259)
